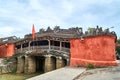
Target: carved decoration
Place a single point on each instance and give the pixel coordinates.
(56, 29)
(106, 31)
(49, 29)
(79, 31)
(41, 30)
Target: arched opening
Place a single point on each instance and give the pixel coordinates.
(40, 62)
(65, 62)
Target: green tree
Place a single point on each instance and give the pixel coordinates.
(118, 48)
(118, 41)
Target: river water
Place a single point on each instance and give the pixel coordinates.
(14, 76)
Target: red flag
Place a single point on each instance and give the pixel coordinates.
(33, 32)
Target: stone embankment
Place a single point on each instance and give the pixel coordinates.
(6, 67)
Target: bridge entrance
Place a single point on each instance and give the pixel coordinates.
(65, 62)
(40, 63)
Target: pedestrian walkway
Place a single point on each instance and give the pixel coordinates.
(118, 61)
(108, 73)
(66, 73)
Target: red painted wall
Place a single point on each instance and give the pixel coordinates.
(98, 50)
(6, 50)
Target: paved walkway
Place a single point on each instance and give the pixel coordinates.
(66, 73)
(110, 73)
(101, 74)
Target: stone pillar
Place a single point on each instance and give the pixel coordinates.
(31, 64)
(60, 45)
(20, 65)
(49, 63)
(59, 63)
(26, 64)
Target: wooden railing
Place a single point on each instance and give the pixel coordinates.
(37, 48)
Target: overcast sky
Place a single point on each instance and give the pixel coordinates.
(17, 16)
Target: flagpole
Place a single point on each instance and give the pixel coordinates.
(33, 35)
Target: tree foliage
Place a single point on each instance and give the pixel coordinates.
(118, 41)
(118, 48)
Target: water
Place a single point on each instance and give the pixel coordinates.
(14, 76)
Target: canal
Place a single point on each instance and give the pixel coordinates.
(14, 76)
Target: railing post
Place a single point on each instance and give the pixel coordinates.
(60, 45)
(21, 47)
(29, 45)
(49, 44)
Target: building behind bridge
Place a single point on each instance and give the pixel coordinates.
(7, 46)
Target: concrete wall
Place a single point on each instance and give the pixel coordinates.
(6, 50)
(98, 50)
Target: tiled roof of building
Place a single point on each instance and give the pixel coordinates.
(76, 32)
(10, 39)
(57, 32)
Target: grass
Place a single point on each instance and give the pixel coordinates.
(90, 66)
(13, 76)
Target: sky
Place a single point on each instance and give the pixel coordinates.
(18, 16)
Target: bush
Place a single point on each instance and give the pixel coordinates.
(8, 59)
(14, 70)
(118, 50)
(90, 66)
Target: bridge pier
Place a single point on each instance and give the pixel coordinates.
(59, 63)
(31, 64)
(20, 64)
(50, 63)
(26, 65)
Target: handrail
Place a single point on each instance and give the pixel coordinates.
(32, 48)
